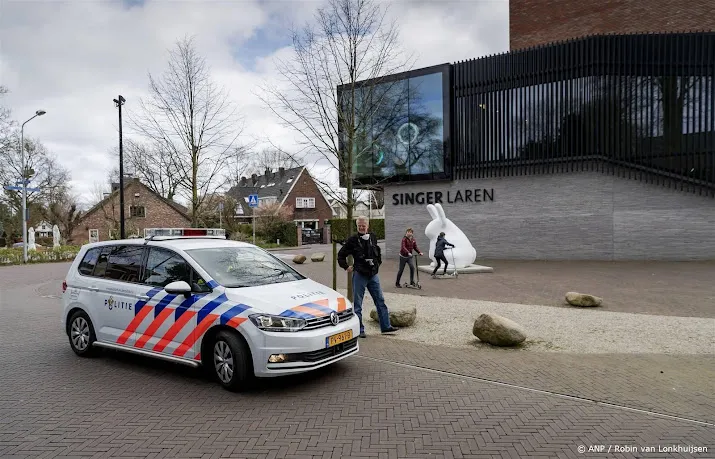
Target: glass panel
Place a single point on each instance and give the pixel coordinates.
(164, 267)
(243, 266)
(424, 131)
(89, 261)
(124, 263)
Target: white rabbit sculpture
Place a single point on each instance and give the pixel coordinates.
(464, 253)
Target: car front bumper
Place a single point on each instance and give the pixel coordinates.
(303, 351)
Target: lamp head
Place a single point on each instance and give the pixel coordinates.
(40, 112)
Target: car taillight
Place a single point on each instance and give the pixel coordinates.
(64, 286)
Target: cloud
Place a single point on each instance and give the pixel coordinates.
(72, 58)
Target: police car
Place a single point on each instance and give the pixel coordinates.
(193, 297)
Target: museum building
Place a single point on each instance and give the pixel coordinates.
(593, 148)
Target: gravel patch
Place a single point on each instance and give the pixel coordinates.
(449, 321)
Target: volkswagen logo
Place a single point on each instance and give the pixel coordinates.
(334, 318)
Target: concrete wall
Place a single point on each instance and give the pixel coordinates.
(581, 215)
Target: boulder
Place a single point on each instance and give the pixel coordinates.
(403, 318)
(498, 331)
(583, 300)
(299, 259)
(317, 257)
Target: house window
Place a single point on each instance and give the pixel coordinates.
(267, 201)
(239, 209)
(137, 211)
(305, 203)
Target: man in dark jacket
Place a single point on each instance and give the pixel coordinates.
(367, 258)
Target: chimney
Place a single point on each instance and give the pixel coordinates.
(268, 172)
(254, 179)
(281, 171)
(243, 181)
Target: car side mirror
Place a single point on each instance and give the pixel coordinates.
(178, 288)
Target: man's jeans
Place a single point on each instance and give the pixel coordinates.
(360, 282)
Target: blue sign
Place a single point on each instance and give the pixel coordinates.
(19, 188)
(252, 200)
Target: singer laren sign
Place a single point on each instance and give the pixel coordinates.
(450, 197)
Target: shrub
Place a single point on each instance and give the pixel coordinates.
(13, 256)
(287, 233)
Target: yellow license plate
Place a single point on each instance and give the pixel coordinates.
(338, 338)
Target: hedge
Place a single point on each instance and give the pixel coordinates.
(339, 228)
(13, 256)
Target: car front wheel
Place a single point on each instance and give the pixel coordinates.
(231, 362)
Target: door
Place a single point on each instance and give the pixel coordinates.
(116, 288)
(167, 328)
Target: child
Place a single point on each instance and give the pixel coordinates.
(439, 247)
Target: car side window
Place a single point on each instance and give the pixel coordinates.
(101, 266)
(198, 284)
(124, 263)
(164, 267)
(89, 261)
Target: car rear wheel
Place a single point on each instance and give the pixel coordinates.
(81, 334)
(231, 363)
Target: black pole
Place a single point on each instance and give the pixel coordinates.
(120, 101)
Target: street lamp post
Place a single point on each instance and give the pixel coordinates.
(119, 102)
(24, 174)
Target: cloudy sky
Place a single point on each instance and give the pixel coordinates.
(72, 57)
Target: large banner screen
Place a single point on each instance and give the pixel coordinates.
(401, 128)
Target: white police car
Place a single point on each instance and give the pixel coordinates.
(193, 297)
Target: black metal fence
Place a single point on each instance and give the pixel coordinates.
(639, 106)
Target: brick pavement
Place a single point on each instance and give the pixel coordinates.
(53, 404)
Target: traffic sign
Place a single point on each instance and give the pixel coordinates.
(252, 200)
(19, 188)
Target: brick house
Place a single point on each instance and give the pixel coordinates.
(143, 208)
(538, 22)
(293, 188)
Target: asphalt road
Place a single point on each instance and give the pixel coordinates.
(394, 399)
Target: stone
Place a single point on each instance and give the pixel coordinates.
(317, 257)
(299, 259)
(583, 300)
(399, 318)
(498, 331)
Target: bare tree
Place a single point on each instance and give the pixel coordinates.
(273, 158)
(190, 124)
(153, 165)
(352, 41)
(41, 168)
(6, 126)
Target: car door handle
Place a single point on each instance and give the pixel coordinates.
(93, 289)
(143, 297)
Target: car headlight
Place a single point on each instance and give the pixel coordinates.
(277, 323)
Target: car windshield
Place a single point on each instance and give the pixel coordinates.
(243, 266)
